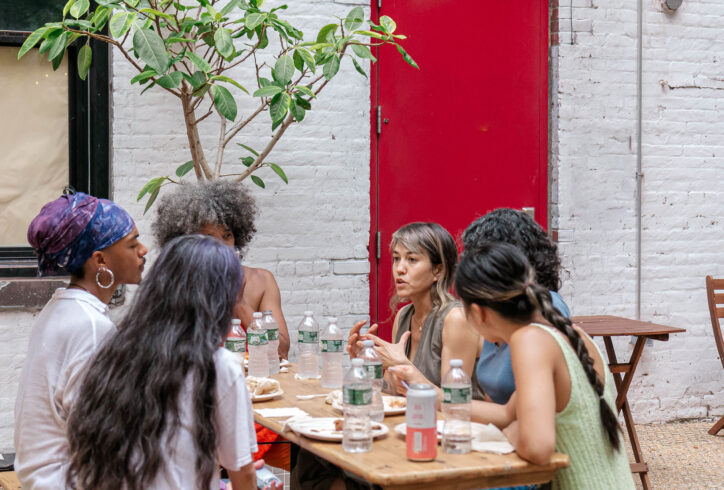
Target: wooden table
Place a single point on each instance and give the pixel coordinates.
(386, 464)
(607, 326)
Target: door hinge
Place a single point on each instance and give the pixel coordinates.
(379, 4)
(530, 211)
(378, 239)
(379, 119)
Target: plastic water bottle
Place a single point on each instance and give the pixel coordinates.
(236, 341)
(257, 345)
(456, 406)
(332, 353)
(272, 337)
(373, 363)
(357, 395)
(308, 343)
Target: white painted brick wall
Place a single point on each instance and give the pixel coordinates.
(594, 146)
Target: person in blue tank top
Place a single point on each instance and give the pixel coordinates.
(493, 369)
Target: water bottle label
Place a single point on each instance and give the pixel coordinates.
(375, 371)
(236, 345)
(357, 397)
(307, 337)
(272, 334)
(457, 395)
(331, 346)
(256, 338)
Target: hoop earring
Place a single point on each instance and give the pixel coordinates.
(103, 268)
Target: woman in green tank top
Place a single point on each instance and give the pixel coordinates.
(564, 394)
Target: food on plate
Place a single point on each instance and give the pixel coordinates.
(397, 402)
(334, 396)
(261, 386)
(338, 424)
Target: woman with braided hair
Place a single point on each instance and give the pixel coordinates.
(564, 389)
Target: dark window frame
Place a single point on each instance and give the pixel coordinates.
(89, 138)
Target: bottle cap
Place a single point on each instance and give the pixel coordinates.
(267, 312)
(308, 313)
(357, 361)
(332, 319)
(456, 363)
(235, 321)
(257, 314)
(368, 343)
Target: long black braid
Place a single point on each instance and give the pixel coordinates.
(498, 276)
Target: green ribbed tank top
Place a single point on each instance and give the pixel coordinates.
(580, 433)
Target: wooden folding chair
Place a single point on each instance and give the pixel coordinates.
(716, 310)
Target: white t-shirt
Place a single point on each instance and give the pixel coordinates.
(66, 334)
(235, 434)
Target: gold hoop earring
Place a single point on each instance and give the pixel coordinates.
(103, 268)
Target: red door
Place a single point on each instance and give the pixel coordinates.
(465, 134)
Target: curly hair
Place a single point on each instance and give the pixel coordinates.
(517, 228)
(191, 206)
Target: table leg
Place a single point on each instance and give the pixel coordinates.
(622, 386)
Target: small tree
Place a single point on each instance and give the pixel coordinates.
(187, 49)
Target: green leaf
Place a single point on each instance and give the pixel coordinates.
(388, 24)
(223, 42)
(152, 198)
(143, 76)
(298, 61)
(156, 13)
(375, 35)
(151, 49)
(284, 70)
(302, 102)
(120, 23)
(249, 149)
(279, 106)
(359, 68)
(308, 59)
(406, 56)
(252, 21)
(247, 161)
(67, 7)
(84, 61)
(229, 7)
(363, 52)
(150, 186)
(177, 39)
(79, 8)
(100, 17)
(306, 90)
(267, 91)
(200, 63)
(223, 78)
(325, 32)
(258, 181)
(224, 102)
(278, 170)
(184, 168)
(354, 19)
(50, 38)
(331, 68)
(297, 111)
(32, 40)
(58, 46)
(172, 80)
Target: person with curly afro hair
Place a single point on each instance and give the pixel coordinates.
(494, 370)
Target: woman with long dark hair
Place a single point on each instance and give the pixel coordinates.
(162, 405)
(564, 396)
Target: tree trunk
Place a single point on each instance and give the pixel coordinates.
(197, 152)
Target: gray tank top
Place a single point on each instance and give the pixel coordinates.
(429, 351)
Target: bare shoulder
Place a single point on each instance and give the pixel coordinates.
(259, 277)
(456, 316)
(533, 341)
(455, 328)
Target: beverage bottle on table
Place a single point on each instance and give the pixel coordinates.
(357, 396)
(308, 343)
(257, 345)
(421, 422)
(456, 406)
(236, 341)
(373, 363)
(332, 353)
(272, 337)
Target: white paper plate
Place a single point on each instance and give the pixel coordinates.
(485, 434)
(282, 363)
(323, 429)
(337, 405)
(267, 396)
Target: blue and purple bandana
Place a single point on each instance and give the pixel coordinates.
(68, 230)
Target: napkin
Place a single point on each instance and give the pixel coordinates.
(488, 438)
(283, 412)
(296, 376)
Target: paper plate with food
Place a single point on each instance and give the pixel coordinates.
(262, 389)
(329, 428)
(394, 405)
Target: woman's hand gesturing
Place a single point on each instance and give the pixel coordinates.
(354, 341)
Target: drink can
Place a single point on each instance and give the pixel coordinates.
(421, 421)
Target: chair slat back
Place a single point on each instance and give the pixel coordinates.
(716, 311)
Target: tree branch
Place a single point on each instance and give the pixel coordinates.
(220, 149)
(265, 152)
(235, 130)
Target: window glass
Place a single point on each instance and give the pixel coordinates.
(33, 139)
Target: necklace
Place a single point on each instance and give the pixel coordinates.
(74, 285)
(420, 324)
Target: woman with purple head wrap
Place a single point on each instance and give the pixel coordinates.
(96, 242)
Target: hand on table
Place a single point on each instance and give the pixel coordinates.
(354, 340)
(391, 354)
(407, 373)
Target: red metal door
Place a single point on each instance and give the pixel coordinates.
(465, 134)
